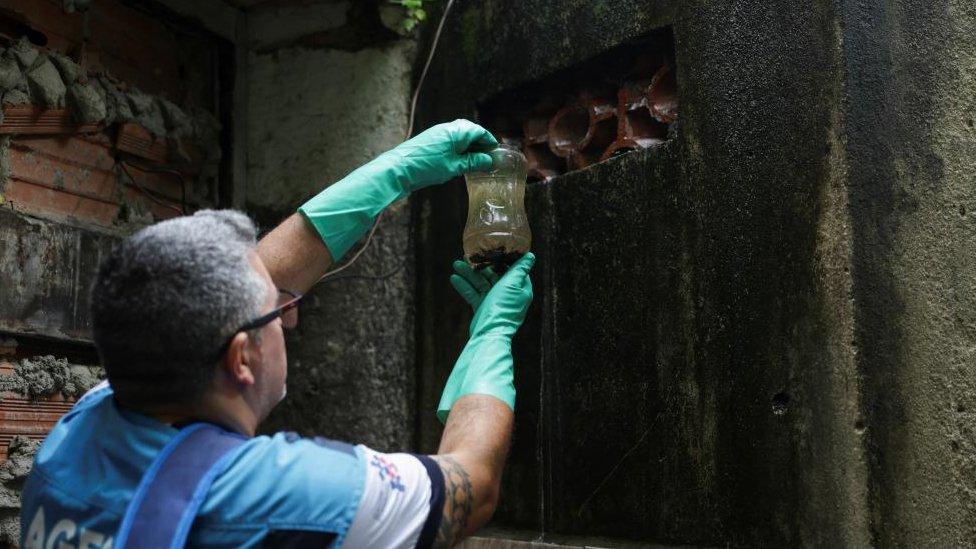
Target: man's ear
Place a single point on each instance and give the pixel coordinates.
(234, 362)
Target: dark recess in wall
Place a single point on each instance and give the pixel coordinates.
(611, 68)
(13, 24)
(18, 346)
(363, 29)
(223, 92)
(618, 101)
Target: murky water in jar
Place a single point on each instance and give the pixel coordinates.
(497, 231)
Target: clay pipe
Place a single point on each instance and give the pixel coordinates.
(581, 128)
(542, 165)
(662, 95)
(535, 130)
(627, 144)
(636, 128)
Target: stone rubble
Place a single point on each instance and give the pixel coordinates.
(53, 80)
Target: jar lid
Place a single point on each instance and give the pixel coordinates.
(506, 159)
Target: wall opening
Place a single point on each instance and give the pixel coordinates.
(623, 100)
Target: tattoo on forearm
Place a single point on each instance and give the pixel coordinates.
(458, 500)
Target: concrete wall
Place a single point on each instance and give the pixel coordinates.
(911, 167)
(327, 90)
(758, 334)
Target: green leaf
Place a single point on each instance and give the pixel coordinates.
(420, 14)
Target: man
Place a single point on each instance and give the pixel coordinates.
(188, 317)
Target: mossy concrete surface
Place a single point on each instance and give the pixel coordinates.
(759, 334)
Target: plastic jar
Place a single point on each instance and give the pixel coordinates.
(497, 230)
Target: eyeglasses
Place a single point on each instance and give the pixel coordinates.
(287, 309)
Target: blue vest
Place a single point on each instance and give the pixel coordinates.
(276, 491)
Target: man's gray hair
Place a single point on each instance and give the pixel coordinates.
(167, 300)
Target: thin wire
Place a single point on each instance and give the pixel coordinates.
(148, 194)
(171, 171)
(413, 112)
(355, 256)
(430, 57)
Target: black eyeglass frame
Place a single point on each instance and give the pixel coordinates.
(275, 313)
(263, 319)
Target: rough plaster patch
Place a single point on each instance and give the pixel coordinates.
(10, 75)
(911, 168)
(24, 53)
(117, 107)
(13, 473)
(4, 161)
(34, 378)
(146, 111)
(45, 84)
(70, 71)
(86, 104)
(836, 478)
(15, 97)
(177, 122)
(46, 375)
(315, 115)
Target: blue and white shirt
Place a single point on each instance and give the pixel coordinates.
(279, 491)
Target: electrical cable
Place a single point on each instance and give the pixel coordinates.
(121, 164)
(423, 73)
(171, 171)
(410, 121)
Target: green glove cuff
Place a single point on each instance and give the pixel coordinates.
(345, 211)
(485, 367)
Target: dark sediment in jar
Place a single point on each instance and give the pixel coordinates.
(499, 259)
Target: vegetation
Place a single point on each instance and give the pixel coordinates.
(415, 12)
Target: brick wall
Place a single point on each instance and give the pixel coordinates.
(71, 187)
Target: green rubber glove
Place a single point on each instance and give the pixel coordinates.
(473, 285)
(486, 365)
(343, 212)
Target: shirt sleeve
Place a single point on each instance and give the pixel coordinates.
(402, 502)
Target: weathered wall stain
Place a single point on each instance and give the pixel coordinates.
(759, 333)
(908, 94)
(47, 269)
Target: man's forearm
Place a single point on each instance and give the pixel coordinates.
(472, 457)
(294, 254)
(300, 250)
